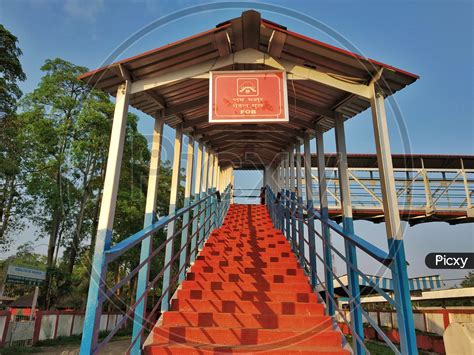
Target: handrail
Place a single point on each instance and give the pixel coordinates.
(362, 244)
(124, 245)
(287, 214)
(205, 214)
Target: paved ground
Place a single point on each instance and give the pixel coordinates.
(114, 347)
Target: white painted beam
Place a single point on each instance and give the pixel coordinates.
(252, 56)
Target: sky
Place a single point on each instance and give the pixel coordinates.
(431, 38)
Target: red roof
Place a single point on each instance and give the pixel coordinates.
(185, 102)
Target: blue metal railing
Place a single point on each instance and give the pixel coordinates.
(296, 221)
(197, 219)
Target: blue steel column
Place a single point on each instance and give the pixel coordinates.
(187, 202)
(171, 226)
(197, 196)
(348, 226)
(392, 223)
(323, 198)
(308, 178)
(90, 332)
(150, 218)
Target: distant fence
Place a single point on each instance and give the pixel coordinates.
(426, 320)
(48, 325)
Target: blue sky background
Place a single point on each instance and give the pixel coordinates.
(433, 39)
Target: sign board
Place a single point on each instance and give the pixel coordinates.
(256, 96)
(25, 276)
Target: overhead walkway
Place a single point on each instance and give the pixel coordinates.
(328, 85)
(246, 293)
(429, 187)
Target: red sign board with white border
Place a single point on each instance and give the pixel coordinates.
(250, 96)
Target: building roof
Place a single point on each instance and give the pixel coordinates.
(24, 301)
(185, 102)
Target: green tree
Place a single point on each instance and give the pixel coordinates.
(52, 111)
(11, 148)
(468, 280)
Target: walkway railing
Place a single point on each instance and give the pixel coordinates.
(296, 221)
(194, 224)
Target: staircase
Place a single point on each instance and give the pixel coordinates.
(246, 293)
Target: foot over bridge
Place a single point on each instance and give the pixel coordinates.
(430, 188)
(195, 262)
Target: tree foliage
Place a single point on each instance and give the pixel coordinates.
(11, 147)
(53, 170)
(468, 280)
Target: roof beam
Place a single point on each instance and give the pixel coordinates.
(276, 43)
(157, 99)
(318, 110)
(195, 122)
(223, 44)
(252, 56)
(188, 105)
(270, 127)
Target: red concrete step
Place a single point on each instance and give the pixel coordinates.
(242, 246)
(173, 348)
(200, 267)
(226, 277)
(214, 242)
(261, 238)
(220, 262)
(223, 295)
(246, 294)
(212, 260)
(248, 307)
(233, 320)
(237, 286)
(317, 336)
(250, 254)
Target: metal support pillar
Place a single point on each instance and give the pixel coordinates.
(429, 206)
(204, 213)
(308, 178)
(392, 223)
(469, 207)
(232, 180)
(348, 226)
(187, 202)
(172, 208)
(209, 189)
(279, 177)
(299, 209)
(323, 198)
(292, 185)
(90, 333)
(214, 189)
(147, 244)
(291, 188)
(197, 196)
